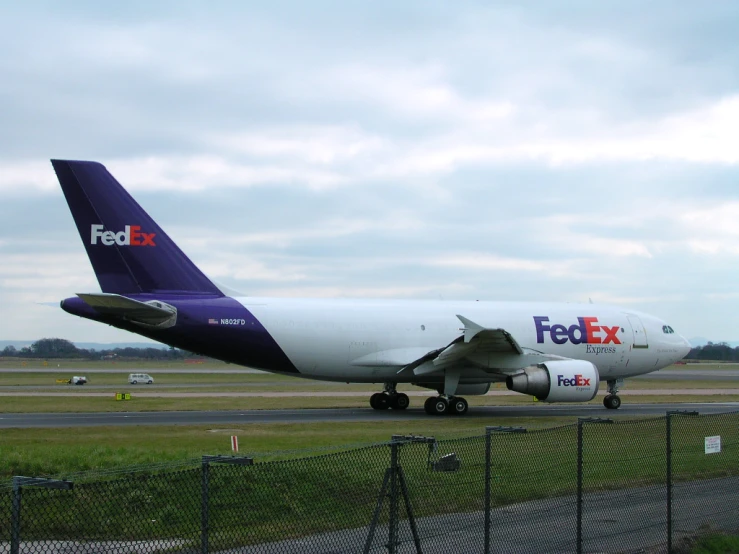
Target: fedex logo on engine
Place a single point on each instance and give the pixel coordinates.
(587, 330)
(577, 381)
(130, 236)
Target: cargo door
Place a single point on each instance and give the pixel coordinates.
(638, 331)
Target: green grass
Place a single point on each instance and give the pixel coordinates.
(716, 544)
(298, 491)
(55, 452)
(707, 541)
(304, 495)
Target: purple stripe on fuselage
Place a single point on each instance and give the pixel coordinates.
(218, 327)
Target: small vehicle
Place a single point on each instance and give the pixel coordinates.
(136, 378)
(78, 380)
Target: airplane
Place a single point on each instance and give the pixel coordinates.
(556, 352)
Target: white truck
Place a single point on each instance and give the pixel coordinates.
(136, 378)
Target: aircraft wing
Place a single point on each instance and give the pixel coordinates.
(153, 313)
(491, 349)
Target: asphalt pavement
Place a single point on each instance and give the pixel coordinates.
(245, 417)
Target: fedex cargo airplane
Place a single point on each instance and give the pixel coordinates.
(555, 352)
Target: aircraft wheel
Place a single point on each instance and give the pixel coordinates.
(428, 406)
(441, 406)
(612, 402)
(379, 401)
(399, 401)
(458, 405)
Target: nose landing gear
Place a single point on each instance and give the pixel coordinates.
(612, 401)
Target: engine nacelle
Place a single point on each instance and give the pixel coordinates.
(558, 381)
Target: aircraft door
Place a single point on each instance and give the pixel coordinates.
(638, 331)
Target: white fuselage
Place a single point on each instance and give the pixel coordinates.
(369, 340)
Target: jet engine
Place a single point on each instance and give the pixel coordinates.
(557, 381)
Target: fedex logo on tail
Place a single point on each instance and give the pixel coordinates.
(130, 236)
(587, 330)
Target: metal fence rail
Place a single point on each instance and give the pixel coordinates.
(597, 485)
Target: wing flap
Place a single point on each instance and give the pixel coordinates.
(478, 346)
(491, 340)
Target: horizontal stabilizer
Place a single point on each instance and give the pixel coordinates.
(152, 313)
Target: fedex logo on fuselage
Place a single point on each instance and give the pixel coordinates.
(587, 330)
(130, 236)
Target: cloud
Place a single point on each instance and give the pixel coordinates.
(472, 150)
(326, 156)
(481, 261)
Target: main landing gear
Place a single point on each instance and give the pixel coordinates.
(390, 398)
(436, 405)
(612, 400)
(442, 405)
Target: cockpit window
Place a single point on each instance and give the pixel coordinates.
(667, 330)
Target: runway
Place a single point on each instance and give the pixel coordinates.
(246, 417)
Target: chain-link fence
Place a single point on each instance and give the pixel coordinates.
(594, 486)
(704, 475)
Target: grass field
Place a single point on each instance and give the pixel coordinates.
(338, 490)
(56, 451)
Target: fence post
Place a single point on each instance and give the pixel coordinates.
(668, 446)
(580, 422)
(488, 456)
(204, 508)
(668, 433)
(393, 519)
(579, 485)
(15, 518)
(205, 493)
(488, 463)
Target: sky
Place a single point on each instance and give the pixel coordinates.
(538, 151)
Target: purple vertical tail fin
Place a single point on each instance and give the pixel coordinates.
(129, 252)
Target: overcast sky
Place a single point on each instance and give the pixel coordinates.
(435, 150)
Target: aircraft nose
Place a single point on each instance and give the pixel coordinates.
(684, 348)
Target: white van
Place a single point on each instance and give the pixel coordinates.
(136, 378)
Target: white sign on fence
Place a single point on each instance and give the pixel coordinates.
(713, 444)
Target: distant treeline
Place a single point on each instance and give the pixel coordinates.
(716, 351)
(61, 348)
